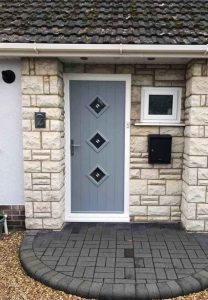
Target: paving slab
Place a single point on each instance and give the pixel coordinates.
(118, 260)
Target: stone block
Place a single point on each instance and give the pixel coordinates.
(149, 174)
(52, 166)
(195, 194)
(195, 161)
(193, 100)
(29, 112)
(29, 209)
(57, 154)
(100, 68)
(42, 207)
(31, 140)
(194, 131)
(197, 86)
(203, 173)
(138, 186)
(134, 200)
(134, 174)
(135, 111)
(26, 125)
(52, 223)
(25, 100)
(57, 180)
(25, 68)
(174, 131)
(52, 140)
(27, 154)
(41, 181)
(188, 209)
(124, 69)
(193, 225)
(198, 115)
(57, 209)
(177, 144)
(56, 85)
(27, 181)
(138, 144)
(142, 80)
(53, 196)
(32, 85)
(47, 66)
(42, 215)
(173, 187)
(190, 175)
(49, 101)
(74, 68)
(56, 125)
(194, 70)
(159, 211)
(177, 163)
(156, 189)
(170, 174)
(41, 175)
(202, 209)
(138, 210)
(32, 166)
(169, 74)
(144, 130)
(34, 223)
(135, 94)
(170, 200)
(32, 196)
(53, 113)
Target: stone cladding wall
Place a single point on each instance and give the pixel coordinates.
(42, 91)
(155, 190)
(195, 176)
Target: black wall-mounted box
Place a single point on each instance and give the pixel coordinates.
(159, 148)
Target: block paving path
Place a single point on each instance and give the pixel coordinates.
(118, 261)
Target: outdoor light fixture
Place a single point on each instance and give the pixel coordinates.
(84, 58)
(8, 76)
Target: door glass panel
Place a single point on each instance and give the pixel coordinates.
(97, 106)
(98, 175)
(97, 141)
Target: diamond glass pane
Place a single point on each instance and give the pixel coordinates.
(97, 174)
(97, 105)
(97, 140)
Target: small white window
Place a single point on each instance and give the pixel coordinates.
(160, 105)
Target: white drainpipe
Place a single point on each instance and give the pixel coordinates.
(5, 225)
(102, 50)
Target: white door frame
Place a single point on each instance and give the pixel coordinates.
(96, 217)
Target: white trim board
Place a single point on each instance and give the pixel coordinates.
(97, 217)
(101, 50)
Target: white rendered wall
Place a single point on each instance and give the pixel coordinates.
(11, 149)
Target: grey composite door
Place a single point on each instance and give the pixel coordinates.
(97, 116)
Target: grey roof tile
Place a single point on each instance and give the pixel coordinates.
(104, 21)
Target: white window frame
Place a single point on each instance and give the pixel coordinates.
(175, 117)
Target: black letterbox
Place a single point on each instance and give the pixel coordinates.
(159, 148)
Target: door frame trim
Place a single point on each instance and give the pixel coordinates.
(96, 217)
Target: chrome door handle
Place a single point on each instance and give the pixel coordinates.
(73, 146)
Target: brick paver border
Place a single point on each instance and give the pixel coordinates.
(35, 268)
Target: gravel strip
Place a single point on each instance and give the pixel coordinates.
(16, 285)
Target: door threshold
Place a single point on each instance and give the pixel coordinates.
(89, 217)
